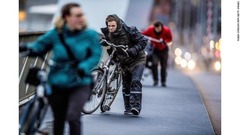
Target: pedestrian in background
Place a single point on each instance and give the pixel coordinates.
(160, 50)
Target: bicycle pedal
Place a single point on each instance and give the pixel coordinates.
(112, 91)
(106, 108)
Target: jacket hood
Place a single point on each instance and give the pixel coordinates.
(120, 22)
(120, 25)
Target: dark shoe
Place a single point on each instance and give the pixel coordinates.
(135, 111)
(127, 112)
(155, 83)
(164, 85)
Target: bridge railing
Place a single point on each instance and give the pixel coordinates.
(26, 91)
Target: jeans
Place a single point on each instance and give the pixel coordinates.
(67, 105)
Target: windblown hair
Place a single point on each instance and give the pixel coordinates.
(110, 19)
(65, 11)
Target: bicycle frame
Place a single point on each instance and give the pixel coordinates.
(32, 117)
(106, 64)
(105, 67)
(105, 90)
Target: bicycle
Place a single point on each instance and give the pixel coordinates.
(36, 108)
(107, 82)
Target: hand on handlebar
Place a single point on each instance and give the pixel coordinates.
(24, 51)
(103, 42)
(121, 49)
(155, 40)
(22, 48)
(161, 40)
(132, 52)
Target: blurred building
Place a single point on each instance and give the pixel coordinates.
(35, 15)
(198, 29)
(196, 24)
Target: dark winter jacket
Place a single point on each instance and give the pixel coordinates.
(130, 36)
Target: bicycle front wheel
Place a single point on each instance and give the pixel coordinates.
(32, 117)
(98, 92)
(112, 90)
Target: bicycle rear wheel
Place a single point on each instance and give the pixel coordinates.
(112, 91)
(98, 92)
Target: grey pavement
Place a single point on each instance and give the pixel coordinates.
(175, 110)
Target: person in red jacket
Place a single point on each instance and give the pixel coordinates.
(160, 37)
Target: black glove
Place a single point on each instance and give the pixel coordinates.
(23, 48)
(102, 41)
(132, 52)
(81, 73)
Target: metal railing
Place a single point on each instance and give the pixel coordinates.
(26, 91)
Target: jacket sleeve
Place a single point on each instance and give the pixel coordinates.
(42, 45)
(139, 39)
(95, 52)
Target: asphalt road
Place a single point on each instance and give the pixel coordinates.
(209, 86)
(177, 109)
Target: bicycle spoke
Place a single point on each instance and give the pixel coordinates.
(112, 90)
(97, 94)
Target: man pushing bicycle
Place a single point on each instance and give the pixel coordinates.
(132, 63)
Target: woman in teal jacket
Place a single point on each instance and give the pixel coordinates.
(69, 90)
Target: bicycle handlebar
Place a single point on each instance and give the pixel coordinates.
(116, 46)
(124, 48)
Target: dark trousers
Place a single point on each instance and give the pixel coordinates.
(67, 106)
(162, 57)
(132, 87)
